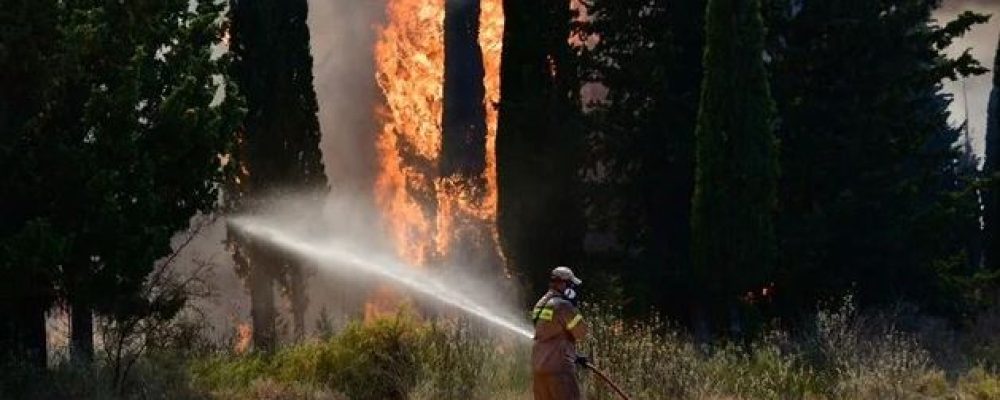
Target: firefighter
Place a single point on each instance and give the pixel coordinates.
(558, 328)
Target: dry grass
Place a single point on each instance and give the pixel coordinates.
(845, 356)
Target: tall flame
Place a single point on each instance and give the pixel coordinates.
(422, 209)
(420, 206)
(409, 59)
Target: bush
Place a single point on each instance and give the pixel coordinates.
(462, 363)
(156, 376)
(391, 358)
(978, 384)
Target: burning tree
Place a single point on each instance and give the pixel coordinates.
(437, 63)
(278, 149)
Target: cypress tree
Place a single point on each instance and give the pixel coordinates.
(27, 287)
(538, 142)
(464, 119)
(279, 145)
(736, 161)
(647, 55)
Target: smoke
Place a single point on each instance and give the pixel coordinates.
(982, 41)
(342, 39)
(343, 35)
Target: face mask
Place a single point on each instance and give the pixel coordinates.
(571, 294)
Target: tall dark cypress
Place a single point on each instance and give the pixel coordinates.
(279, 141)
(641, 143)
(991, 167)
(464, 127)
(538, 142)
(27, 288)
(736, 162)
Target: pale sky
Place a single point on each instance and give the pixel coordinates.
(983, 41)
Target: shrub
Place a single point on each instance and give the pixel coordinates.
(978, 384)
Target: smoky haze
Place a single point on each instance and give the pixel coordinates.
(342, 39)
(343, 35)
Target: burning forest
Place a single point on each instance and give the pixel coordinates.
(499, 199)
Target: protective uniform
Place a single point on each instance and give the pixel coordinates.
(558, 327)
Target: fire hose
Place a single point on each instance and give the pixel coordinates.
(604, 377)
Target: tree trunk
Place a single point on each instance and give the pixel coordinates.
(22, 333)
(463, 144)
(81, 333)
(298, 298)
(262, 300)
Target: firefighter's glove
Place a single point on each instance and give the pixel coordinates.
(582, 360)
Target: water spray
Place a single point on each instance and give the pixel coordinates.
(337, 256)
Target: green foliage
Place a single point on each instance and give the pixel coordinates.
(122, 113)
(385, 352)
(391, 358)
(736, 160)
(875, 196)
(640, 147)
(459, 362)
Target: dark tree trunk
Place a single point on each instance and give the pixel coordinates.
(33, 335)
(298, 298)
(81, 333)
(463, 145)
(22, 333)
(262, 310)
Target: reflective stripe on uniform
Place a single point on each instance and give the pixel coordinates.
(573, 322)
(544, 313)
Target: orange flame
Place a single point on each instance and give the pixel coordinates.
(244, 334)
(409, 59)
(420, 206)
(459, 199)
(422, 209)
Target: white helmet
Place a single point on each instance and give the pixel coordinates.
(566, 274)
